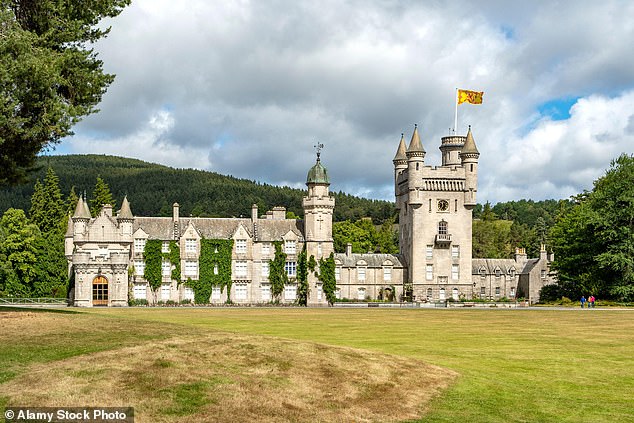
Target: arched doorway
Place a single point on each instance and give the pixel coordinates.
(100, 291)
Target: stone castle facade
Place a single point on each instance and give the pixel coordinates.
(435, 206)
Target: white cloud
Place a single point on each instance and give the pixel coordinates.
(246, 88)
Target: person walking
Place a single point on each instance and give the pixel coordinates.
(583, 301)
(591, 301)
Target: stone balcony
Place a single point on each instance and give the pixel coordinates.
(443, 239)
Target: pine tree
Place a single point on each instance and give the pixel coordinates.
(38, 206)
(100, 196)
(48, 210)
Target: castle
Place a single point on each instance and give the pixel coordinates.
(435, 206)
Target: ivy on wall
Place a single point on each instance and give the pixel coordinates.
(174, 257)
(214, 254)
(277, 271)
(327, 277)
(153, 257)
(302, 278)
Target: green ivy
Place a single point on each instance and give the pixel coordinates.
(174, 257)
(327, 277)
(213, 252)
(302, 278)
(153, 258)
(277, 272)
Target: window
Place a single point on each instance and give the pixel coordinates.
(455, 251)
(215, 293)
(429, 252)
(441, 294)
(266, 248)
(165, 292)
(319, 249)
(497, 291)
(241, 269)
(483, 272)
(361, 273)
(139, 267)
(512, 272)
(361, 294)
(455, 272)
(443, 279)
(241, 246)
(290, 247)
(512, 292)
(190, 245)
(266, 292)
(291, 268)
(498, 272)
(165, 247)
(429, 292)
(265, 269)
(290, 292)
(387, 273)
(337, 273)
(188, 294)
(215, 269)
(139, 245)
(319, 293)
(191, 268)
(454, 294)
(543, 274)
(483, 291)
(140, 291)
(429, 272)
(442, 228)
(166, 267)
(241, 291)
(338, 293)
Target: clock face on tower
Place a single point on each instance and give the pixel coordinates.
(443, 205)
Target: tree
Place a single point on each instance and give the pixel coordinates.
(101, 196)
(49, 77)
(48, 210)
(19, 248)
(593, 241)
(302, 278)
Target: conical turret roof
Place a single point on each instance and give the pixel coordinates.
(415, 146)
(469, 145)
(81, 210)
(401, 152)
(125, 212)
(69, 228)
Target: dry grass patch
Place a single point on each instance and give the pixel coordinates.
(225, 377)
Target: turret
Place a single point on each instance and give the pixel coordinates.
(400, 162)
(125, 218)
(469, 157)
(450, 148)
(81, 217)
(415, 161)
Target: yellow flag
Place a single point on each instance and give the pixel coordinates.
(473, 97)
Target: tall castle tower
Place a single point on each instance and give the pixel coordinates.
(318, 208)
(435, 209)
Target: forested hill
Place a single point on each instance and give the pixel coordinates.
(152, 189)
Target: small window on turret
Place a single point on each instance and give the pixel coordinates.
(471, 167)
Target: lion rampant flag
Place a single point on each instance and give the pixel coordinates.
(473, 97)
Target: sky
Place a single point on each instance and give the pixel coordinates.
(247, 88)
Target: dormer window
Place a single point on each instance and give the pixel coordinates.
(498, 272)
(482, 271)
(241, 246)
(290, 247)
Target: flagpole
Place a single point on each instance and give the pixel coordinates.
(455, 120)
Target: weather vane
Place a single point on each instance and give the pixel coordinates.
(318, 147)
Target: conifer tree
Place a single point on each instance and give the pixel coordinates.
(100, 196)
(48, 210)
(302, 278)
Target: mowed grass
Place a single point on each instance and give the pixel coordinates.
(176, 371)
(514, 365)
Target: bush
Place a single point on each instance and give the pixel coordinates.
(136, 303)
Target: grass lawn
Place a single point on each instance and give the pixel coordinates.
(512, 365)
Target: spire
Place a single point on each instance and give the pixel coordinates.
(81, 210)
(415, 146)
(469, 145)
(125, 212)
(401, 152)
(87, 214)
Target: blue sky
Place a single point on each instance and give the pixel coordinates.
(247, 88)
